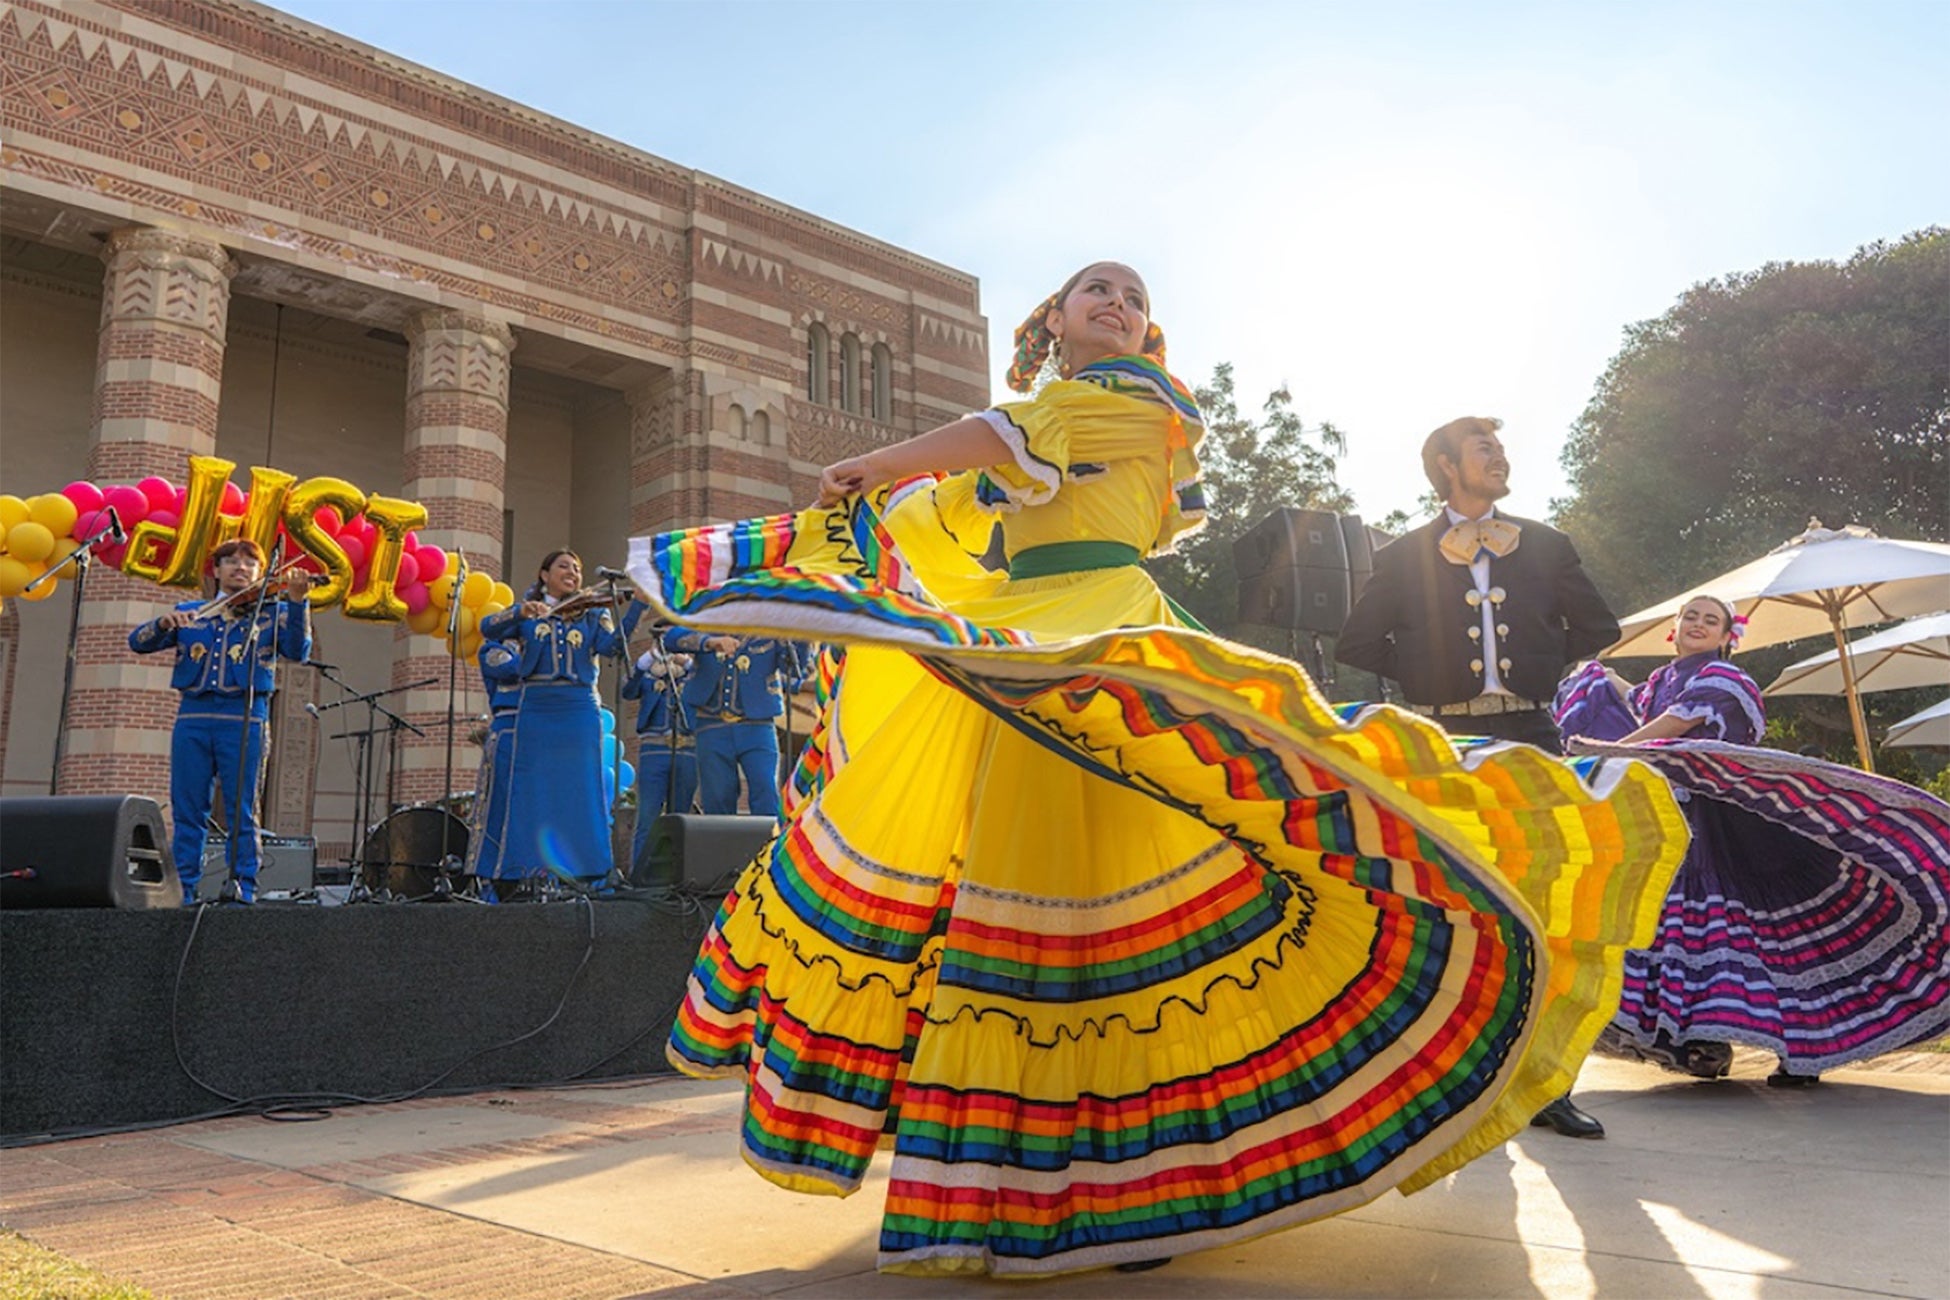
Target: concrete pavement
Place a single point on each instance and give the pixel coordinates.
(1701, 1190)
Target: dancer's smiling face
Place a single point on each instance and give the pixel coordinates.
(562, 575)
(1104, 314)
(1701, 626)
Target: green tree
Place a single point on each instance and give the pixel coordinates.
(1253, 466)
(1801, 390)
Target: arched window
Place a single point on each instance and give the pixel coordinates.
(850, 372)
(739, 429)
(819, 364)
(761, 428)
(883, 383)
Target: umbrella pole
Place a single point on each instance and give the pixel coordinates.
(1850, 689)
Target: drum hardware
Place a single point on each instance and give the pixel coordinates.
(403, 858)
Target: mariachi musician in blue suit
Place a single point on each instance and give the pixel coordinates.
(555, 818)
(225, 668)
(666, 757)
(735, 698)
(500, 664)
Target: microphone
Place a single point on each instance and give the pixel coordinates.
(115, 527)
(606, 574)
(312, 709)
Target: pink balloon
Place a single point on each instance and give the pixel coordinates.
(129, 503)
(177, 502)
(355, 551)
(329, 519)
(112, 554)
(416, 596)
(159, 492)
(167, 519)
(86, 497)
(410, 543)
(233, 500)
(433, 562)
(409, 570)
(86, 524)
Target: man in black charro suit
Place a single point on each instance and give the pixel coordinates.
(1477, 614)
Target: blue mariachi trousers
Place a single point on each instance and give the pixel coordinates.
(726, 748)
(661, 787)
(202, 751)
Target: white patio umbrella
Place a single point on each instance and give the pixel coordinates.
(1910, 654)
(1823, 581)
(1931, 727)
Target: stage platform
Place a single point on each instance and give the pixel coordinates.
(112, 1018)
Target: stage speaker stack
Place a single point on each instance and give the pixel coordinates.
(699, 852)
(1297, 569)
(85, 851)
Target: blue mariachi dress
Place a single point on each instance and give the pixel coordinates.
(1811, 916)
(666, 756)
(501, 674)
(224, 666)
(554, 818)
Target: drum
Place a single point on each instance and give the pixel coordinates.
(405, 853)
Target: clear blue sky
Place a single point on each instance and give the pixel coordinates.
(1406, 212)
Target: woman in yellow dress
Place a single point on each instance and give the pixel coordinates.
(1117, 934)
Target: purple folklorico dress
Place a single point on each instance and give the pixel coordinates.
(1811, 916)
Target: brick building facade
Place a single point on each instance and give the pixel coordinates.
(229, 232)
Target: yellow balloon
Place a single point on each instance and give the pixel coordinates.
(428, 622)
(378, 601)
(30, 541)
(41, 592)
(63, 548)
(15, 574)
(53, 512)
(301, 505)
(12, 511)
(503, 596)
(476, 591)
(453, 564)
(469, 646)
(441, 591)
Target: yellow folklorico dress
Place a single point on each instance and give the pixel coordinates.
(1123, 939)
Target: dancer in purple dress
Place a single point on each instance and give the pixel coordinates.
(1811, 916)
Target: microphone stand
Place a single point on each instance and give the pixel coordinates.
(442, 887)
(615, 877)
(81, 558)
(364, 784)
(229, 892)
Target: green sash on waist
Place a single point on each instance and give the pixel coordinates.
(1070, 557)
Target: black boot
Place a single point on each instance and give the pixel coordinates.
(1782, 1079)
(1141, 1265)
(1568, 1120)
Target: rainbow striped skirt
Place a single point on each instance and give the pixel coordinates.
(1126, 945)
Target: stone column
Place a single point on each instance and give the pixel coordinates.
(456, 465)
(667, 454)
(158, 378)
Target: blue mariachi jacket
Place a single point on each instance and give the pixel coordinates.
(652, 688)
(561, 650)
(221, 656)
(743, 686)
(501, 673)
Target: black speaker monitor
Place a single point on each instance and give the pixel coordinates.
(86, 851)
(699, 852)
(1293, 571)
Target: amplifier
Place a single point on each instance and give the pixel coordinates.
(284, 865)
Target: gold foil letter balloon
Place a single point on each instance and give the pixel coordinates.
(378, 601)
(265, 509)
(301, 506)
(193, 536)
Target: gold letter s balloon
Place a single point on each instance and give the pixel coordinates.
(300, 507)
(377, 600)
(194, 535)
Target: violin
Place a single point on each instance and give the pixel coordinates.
(249, 595)
(578, 603)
